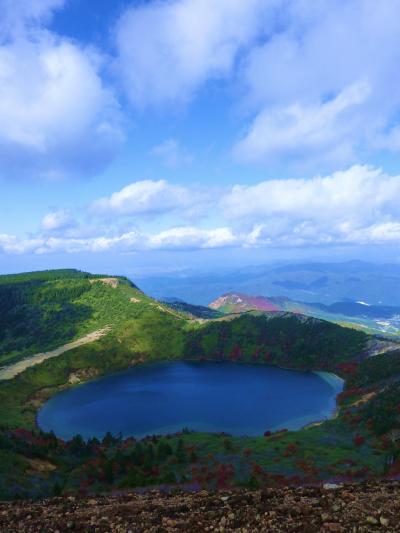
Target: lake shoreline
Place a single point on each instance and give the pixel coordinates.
(293, 420)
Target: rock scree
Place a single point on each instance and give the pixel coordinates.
(355, 508)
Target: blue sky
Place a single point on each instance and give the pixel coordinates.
(159, 135)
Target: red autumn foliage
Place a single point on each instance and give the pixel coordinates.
(348, 368)
(358, 440)
(291, 449)
(236, 353)
(257, 470)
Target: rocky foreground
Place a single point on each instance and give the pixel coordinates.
(348, 508)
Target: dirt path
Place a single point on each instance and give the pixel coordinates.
(10, 371)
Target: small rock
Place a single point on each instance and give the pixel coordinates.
(331, 486)
(333, 526)
(169, 522)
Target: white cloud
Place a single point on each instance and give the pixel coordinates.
(190, 237)
(324, 130)
(149, 197)
(172, 153)
(315, 54)
(357, 206)
(18, 16)
(379, 233)
(10, 244)
(168, 49)
(175, 238)
(56, 115)
(360, 192)
(57, 220)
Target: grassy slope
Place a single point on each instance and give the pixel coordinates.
(144, 330)
(41, 311)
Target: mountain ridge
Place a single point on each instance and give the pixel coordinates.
(376, 318)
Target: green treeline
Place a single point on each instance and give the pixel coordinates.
(285, 340)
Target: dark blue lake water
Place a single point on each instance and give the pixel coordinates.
(166, 397)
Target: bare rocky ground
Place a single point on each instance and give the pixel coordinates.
(348, 509)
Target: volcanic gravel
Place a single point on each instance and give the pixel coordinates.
(345, 508)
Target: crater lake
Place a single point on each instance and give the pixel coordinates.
(163, 398)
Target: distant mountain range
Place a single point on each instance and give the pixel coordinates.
(239, 302)
(378, 318)
(326, 283)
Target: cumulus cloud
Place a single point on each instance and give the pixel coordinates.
(318, 80)
(313, 62)
(18, 16)
(357, 206)
(57, 220)
(57, 117)
(150, 197)
(324, 130)
(361, 191)
(190, 237)
(10, 244)
(190, 41)
(132, 241)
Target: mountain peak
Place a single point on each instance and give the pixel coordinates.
(238, 302)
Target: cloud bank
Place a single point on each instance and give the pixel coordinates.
(358, 206)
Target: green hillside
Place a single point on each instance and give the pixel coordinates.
(45, 310)
(280, 339)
